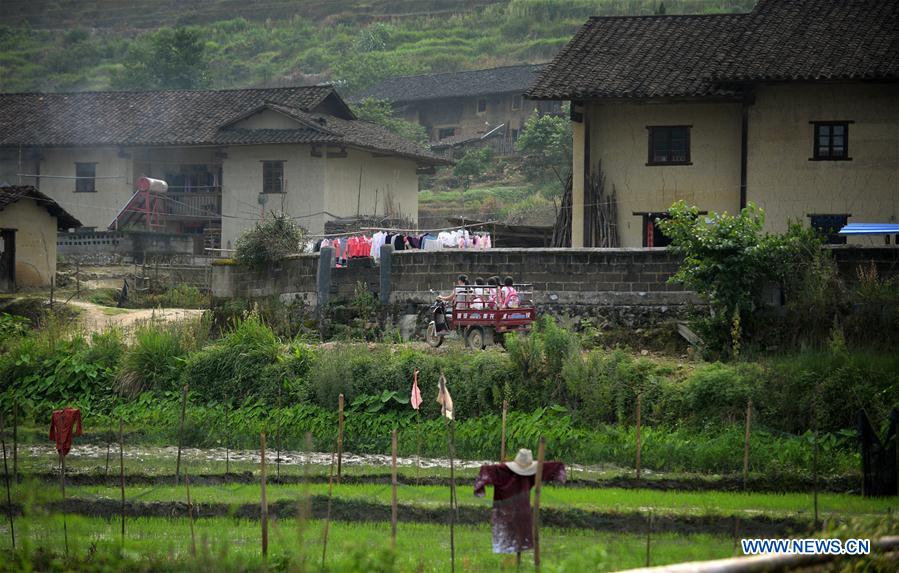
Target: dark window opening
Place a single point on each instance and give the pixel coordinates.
(514, 135)
(482, 105)
(831, 141)
(273, 177)
(85, 174)
(652, 234)
(516, 102)
(669, 145)
(445, 132)
(829, 226)
(192, 179)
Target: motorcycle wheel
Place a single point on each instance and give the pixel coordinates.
(431, 335)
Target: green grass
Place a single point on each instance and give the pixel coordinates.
(798, 505)
(419, 547)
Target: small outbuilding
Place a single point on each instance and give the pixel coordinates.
(29, 222)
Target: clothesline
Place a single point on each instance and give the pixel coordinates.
(397, 230)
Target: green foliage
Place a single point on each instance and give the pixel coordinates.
(381, 112)
(11, 328)
(358, 71)
(154, 360)
(180, 296)
(269, 241)
(473, 165)
(166, 59)
(546, 144)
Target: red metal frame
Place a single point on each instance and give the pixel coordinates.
(500, 319)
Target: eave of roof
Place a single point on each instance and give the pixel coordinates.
(14, 194)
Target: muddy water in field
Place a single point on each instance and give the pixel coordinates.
(98, 452)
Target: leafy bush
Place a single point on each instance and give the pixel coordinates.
(154, 360)
(381, 112)
(545, 143)
(272, 239)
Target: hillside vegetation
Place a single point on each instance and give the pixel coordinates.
(64, 45)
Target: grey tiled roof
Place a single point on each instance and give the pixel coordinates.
(14, 194)
(401, 89)
(712, 55)
(203, 117)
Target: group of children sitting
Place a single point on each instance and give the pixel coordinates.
(494, 294)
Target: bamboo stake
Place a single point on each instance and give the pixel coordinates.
(538, 483)
(304, 509)
(227, 439)
(190, 516)
(639, 433)
(181, 433)
(746, 444)
(263, 501)
(106, 471)
(649, 540)
(122, 474)
(339, 435)
(393, 493)
(450, 440)
(62, 486)
(502, 442)
(278, 439)
(12, 529)
(815, 474)
(15, 440)
(328, 513)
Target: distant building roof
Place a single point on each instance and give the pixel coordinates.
(13, 194)
(403, 89)
(712, 55)
(191, 117)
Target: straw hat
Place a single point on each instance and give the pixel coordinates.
(523, 464)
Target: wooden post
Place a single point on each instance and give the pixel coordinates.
(502, 441)
(339, 435)
(227, 439)
(649, 539)
(15, 440)
(393, 494)
(328, 513)
(639, 433)
(746, 444)
(304, 506)
(62, 487)
(190, 516)
(122, 473)
(451, 447)
(815, 475)
(263, 501)
(538, 484)
(278, 439)
(106, 471)
(181, 433)
(12, 530)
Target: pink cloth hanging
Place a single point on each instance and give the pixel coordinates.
(415, 400)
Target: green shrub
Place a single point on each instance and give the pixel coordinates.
(269, 241)
(717, 393)
(153, 362)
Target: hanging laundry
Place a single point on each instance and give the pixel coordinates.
(415, 399)
(511, 518)
(444, 398)
(64, 424)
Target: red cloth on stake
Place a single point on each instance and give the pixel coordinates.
(61, 428)
(512, 518)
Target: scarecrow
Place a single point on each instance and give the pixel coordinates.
(512, 517)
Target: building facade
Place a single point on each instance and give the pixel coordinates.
(720, 111)
(228, 157)
(457, 108)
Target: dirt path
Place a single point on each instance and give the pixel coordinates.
(95, 317)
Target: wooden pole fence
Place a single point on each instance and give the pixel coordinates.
(746, 444)
(12, 529)
(181, 432)
(502, 442)
(639, 434)
(122, 474)
(393, 508)
(339, 436)
(263, 502)
(538, 485)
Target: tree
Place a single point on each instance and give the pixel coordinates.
(169, 59)
(546, 145)
(472, 165)
(381, 112)
(355, 72)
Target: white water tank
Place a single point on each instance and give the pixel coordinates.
(148, 184)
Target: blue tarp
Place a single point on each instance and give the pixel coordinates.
(870, 229)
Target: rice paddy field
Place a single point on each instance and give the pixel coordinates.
(601, 520)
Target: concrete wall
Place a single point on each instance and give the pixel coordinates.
(619, 138)
(787, 185)
(114, 183)
(35, 242)
(122, 247)
(295, 276)
(363, 184)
